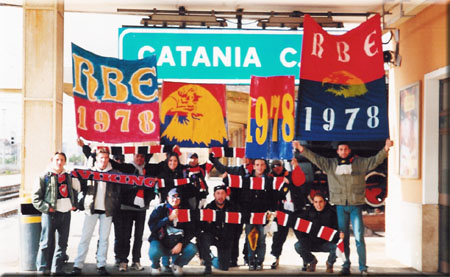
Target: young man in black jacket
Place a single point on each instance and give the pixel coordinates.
(217, 233)
(245, 170)
(320, 214)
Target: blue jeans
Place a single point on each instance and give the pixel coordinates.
(260, 251)
(90, 220)
(157, 250)
(305, 246)
(353, 214)
(55, 227)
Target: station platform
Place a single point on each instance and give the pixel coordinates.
(290, 262)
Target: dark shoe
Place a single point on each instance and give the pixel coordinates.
(304, 267)
(259, 266)
(102, 271)
(76, 271)
(252, 266)
(345, 271)
(329, 268)
(233, 264)
(208, 270)
(311, 267)
(275, 263)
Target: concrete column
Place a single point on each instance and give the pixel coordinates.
(43, 32)
(42, 87)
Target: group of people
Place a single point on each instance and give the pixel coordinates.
(173, 241)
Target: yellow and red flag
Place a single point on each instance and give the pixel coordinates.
(193, 115)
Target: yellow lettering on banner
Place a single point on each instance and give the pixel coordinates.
(146, 124)
(136, 82)
(125, 115)
(121, 89)
(102, 121)
(288, 117)
(249, 123)
(261, 119)
(274, 105)
(82, 118)
(92, 83)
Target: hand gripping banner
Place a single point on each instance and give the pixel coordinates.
(270, 128)
(116, 101)
(193, 115)
(342, 92)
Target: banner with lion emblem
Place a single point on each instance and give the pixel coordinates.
(342, 92)
(193, 115)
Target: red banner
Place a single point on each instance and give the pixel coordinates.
(116, 100)
(270, 128)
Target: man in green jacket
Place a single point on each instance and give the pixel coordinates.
(54, 196)
(347, 186)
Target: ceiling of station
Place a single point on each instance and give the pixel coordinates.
(395, 12)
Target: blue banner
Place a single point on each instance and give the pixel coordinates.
(342, 92)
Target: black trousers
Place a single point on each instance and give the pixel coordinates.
(223, 250)
(278, 240)
(235, 245)
(123, 226)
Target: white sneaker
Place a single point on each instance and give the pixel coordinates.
(155, 271)
(177, 270)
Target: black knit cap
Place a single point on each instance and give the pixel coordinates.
(216, 188)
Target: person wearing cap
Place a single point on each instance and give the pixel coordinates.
(196, 191)
(217, 233)
(245, 170)
(347, 187)
(169, 237)
(291, 199)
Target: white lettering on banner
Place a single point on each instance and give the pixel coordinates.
(317, 44)
(183, 50)
(219, 56)
(343, 51)
(329, 118)
(369, 44)
(283, 60)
